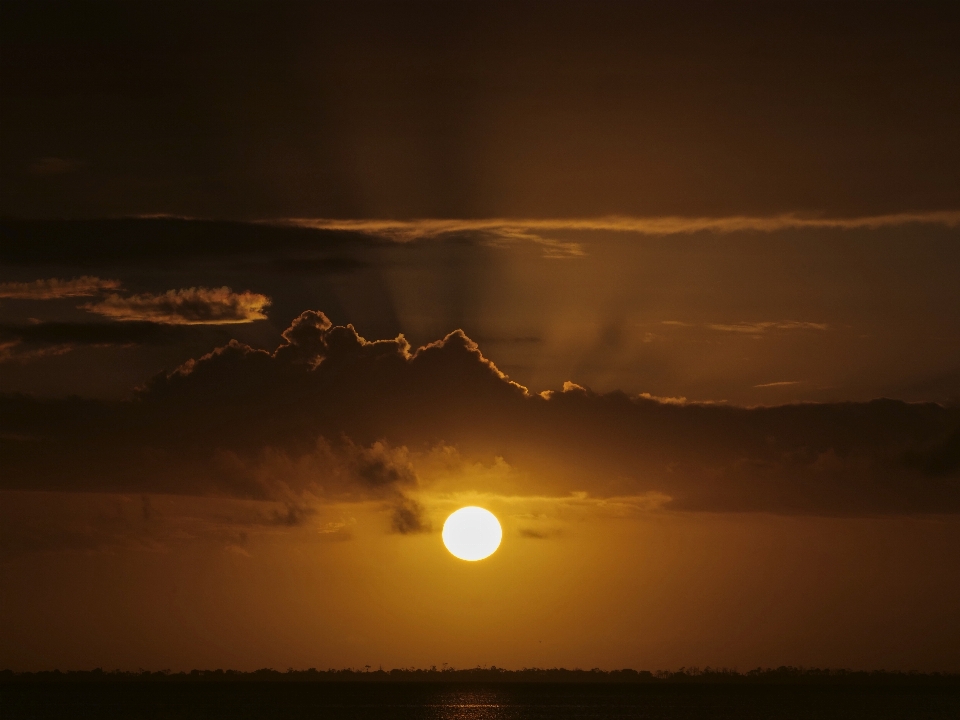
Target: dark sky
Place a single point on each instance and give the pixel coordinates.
(669, 288)
(467, 109)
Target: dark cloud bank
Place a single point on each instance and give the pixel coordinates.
(122, 242)
(337, 416)
(96, 333)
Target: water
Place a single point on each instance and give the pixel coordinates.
(441, 701)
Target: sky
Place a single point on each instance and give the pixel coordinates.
(669, 288)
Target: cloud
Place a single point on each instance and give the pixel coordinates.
(100, 333)
(664, 225)
(16, 351)
(25, 343)
(499, 236)
(331, 416)
(757, 328)
(510, 230)
(781, 383)
(408, 518)
(54, 288)
(325, 245)
(91, 522)
(665, 400)
(160, 240)
(192, 306)
(534, 534)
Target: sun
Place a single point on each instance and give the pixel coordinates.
(472, 533)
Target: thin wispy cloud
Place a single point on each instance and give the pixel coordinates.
(14, 351)
(756, 328)
(191, 306)
(781, 383)
(532, 229)
(751, 328)
(508, 232)
(55, 288)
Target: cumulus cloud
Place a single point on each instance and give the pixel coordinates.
(331, 415)
(191, 306)
(54, 288)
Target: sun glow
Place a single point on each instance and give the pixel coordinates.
(472, 533)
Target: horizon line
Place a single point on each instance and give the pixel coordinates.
(684, 671)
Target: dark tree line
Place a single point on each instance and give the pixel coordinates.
(758, 676)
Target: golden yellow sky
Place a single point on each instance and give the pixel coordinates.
(605, 587)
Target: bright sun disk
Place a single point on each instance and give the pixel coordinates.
(472, 533)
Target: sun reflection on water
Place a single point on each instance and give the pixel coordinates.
(480, 704)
